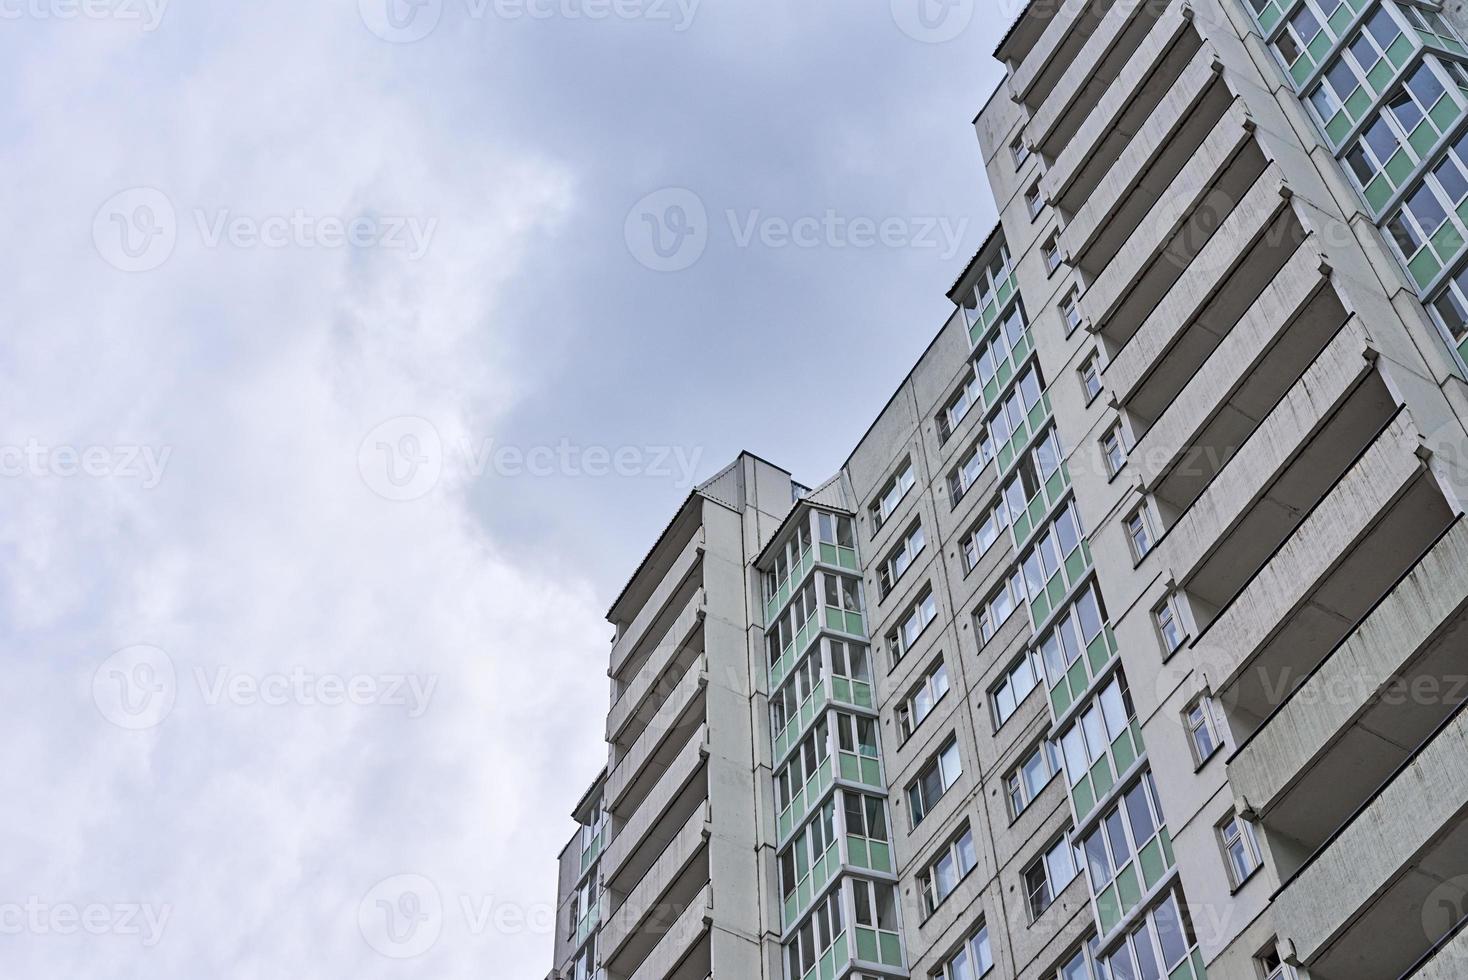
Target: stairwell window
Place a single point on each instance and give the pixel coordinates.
(1198, 718)
(1050, 252)
(958, 406)
(1000, 606)
(1113, 450)
(935, 779)
(1167, 617)
(902, 639)
(977, 542)
(920, 700)
(1070, 312)
(1271, 966)
(892, 493)
(1090, 373)
(1021, 678)
(1034, 201)
(1019, 152)
(1240, 849)
(1138, 534)
(937, 881)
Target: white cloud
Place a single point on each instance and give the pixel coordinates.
(259, 828)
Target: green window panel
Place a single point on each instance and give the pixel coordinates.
(1358, 5)
(788, 913)
(1379, 78)
(1006, 290)
(1304, 65)
(1100, 650)
(828, 553)
(1270, 17)
(1184, 971)
(1055, 591)
(858, 850)
(1319, 47)
(991, 390)
(1075, 565)
(1022, 347)
(1448, 242)
(1401, 50)
(1424, 266)
(1127, 888)
(1338, 127)
(866, 944)
(841, 690)
(847, 557)
(890, 948)
(1060, 693)
(1399, 167)
(1005, 457)
(850, 768)
(1082, 797)
(1079, 679)
(975, 331)
(1108, 910)
(1445, 113)
(839, 955)
(1166, 839)
(1463, 349)
(1136, 728)
(861, 694)
(1198, 972)
(1152, 864)
(1359, 101)
(1102, 778)
(1040, 607)
(1378, 192)
(1023, 524)
(881, 857)
(1423, 138)
(1339, 20)
(1124, 752)
(871, 772)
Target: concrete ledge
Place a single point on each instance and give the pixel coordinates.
(632, 638)
(640, 688)
(649, 892)
(1448, 962)
(631, 834)
(1037, 59)
(1343, 690)
(691, 926)
(659, 730)
(1082, 70)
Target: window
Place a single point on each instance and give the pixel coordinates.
(584, 967)
(866, 816)
(997, 609)
(1019, 151)
(1170, 629)
(999, 345)
(1240, 849)
(1050, 252)
(941, 772)
(1034, 203)
(1053, 544)
(787, 559)
(900, 559)
(978, 541)
(785, 703)
(953, 413)
(892, 493)
(1272, 966)
(809, 846)
(591, 832)
(1156, 945)
(815, 935)
(1127, 828)
(986, 290)
(919, 702)
(1082, 966)
(1113, 450)
(1022, 678)
(1451, 307)
(876, 905)
(1089, 738)
(1031, 776)
(901, 640)
(1074, 631)
(843, 593)
(969, 468)
(1090, 372)
(849, 660)
(937, 881)
(1368, 156)
(1198, 717)
(973, 959)
(856, 735)
(1070, 312)
(1138, 536)
(1330, 96)
(1047, 875)
(807, 759)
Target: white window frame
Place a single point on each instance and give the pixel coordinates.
(1002, 603)
(901, 558)
(922, 699)
(1090, 375)
(973, 959)
(1062, 859)
(943, 874)
(1114, 450)
(1172, 630)
(1027, 663)
(947, 764)
(972, 547)
(1239, 844)
(1018, 791)
(893, 493)
(1034, 200)
(1202, 727)
(1138, 529)
(912, 625)
(1050, 253)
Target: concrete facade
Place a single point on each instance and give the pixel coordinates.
(1127, 643)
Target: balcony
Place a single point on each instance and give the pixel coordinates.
(660, 898)
(1175, 130)
(641, 696)
(1178, 226)
(1125, 108)
(680, 715)
(1159, 353)
(1067, 32)
(629, 649)
(1346, 554)
(1388, 886)
(1241, 381)
(641, 837)
(683, 953)
(1448, 960)
(1296, 455)
(1358, 716)
(1089, 73)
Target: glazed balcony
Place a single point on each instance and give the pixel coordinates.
(1358, 716)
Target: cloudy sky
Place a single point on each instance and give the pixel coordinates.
(353, 354)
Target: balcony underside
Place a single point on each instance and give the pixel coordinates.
(1065, 32)
(656, 904)
(684, 951)
(641, 837)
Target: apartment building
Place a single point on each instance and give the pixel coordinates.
(1127, 643)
